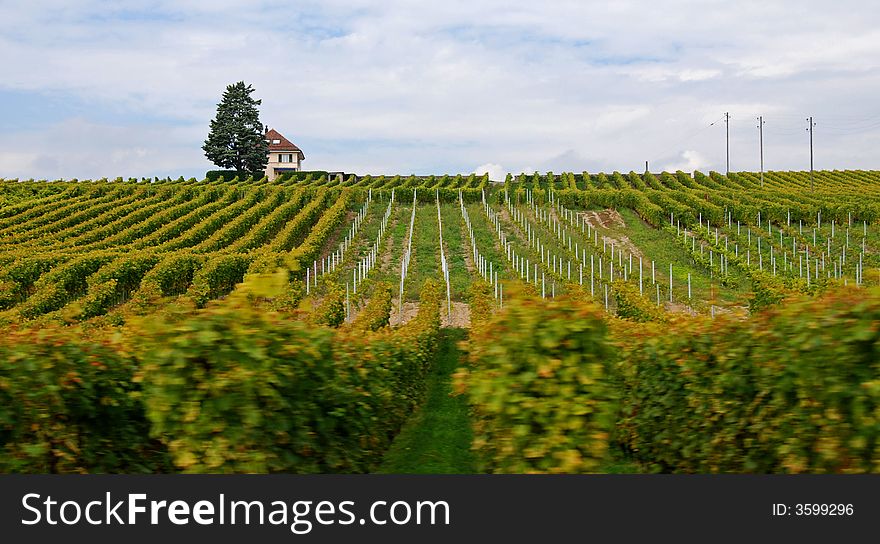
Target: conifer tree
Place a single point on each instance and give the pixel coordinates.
(237, 140)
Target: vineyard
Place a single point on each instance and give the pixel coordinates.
(669, 322)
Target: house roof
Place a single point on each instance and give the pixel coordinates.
(283, 143)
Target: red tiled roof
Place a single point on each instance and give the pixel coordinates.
(283, 145)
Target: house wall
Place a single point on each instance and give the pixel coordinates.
(275, 162)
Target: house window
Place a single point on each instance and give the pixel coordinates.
(285, 157)
(276, 141)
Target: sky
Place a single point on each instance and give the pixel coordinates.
(104, 89)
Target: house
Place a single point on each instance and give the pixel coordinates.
(284, 156)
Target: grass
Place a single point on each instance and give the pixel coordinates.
(487, 240)
(456, 248)
(395, 238)
(437, 438)
(425, 259)
(805, 239)
(663, 249)
(363, 240)
(550, 242)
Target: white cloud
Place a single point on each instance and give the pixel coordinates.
(689, 161)
(496, 171)
(16, 164)
(618, 117)
(89, 150)
(698, 75)
(403, 86)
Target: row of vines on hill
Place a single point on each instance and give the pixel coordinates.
(556, 387)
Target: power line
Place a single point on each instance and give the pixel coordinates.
(727, 132)
(761, 144)
(810, 129)
(783, 125)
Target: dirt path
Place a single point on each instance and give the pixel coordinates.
(469, 254)
(385, 258)
(520, 233)
(739, 312)
(332, 242)
(460, 317)
(605, 219)
(678, 308)
(465, 242)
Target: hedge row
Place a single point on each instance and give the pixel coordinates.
(62, 284)
(633, 306)
(233, 388)
(217, 277)
(377, 313)
(309, 250)
(228, 175)
(114, 282)
(239, 389)
(793, 389)
(536, 381)
(68, 404)
(297, 229)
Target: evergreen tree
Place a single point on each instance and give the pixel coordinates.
(237, 140)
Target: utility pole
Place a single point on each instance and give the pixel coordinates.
(761, 144)
(646, 167)
(727, 131)
(810, 129)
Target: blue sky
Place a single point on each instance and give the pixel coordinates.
(94, 89)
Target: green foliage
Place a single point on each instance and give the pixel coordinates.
(310, 249)
(769, 290)
(302, 175)
(17, 280)
(225, 236)
(482, 303)
(229, 175)
(794, 389)
(377, 313)
(266, 229)
(68, 404)
(235, 388)
(633, 306)
(174, 274)
(114, 283)
(236, 139)
(297, 228)
(55, 289)
(537, 384)
(217, 277)
(719, 396)
(331, 311)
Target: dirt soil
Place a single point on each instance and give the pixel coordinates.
(385, 258)
(605, 219)
(460, 317)
(679, 308)
(468, 256)
(516, 226)
(410, 310)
